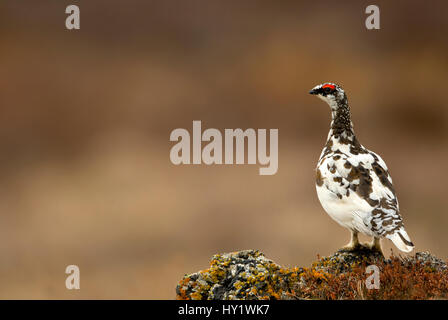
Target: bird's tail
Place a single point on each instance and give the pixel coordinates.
(401, 240)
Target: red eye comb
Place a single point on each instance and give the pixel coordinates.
(332, 87)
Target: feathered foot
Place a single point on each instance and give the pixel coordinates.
(354, 244)
(376, 245)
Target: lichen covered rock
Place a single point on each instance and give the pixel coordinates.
(239, 275)
(427, 259)
(345, 261)
(250, 275)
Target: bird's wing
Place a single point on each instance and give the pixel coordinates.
(365, 182)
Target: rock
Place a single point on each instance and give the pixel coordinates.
(249, 275)
(427, 259)
(344, 261)
(239, 275)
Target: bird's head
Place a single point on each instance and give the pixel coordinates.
(331, 93)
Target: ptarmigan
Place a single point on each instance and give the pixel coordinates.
(353, 184)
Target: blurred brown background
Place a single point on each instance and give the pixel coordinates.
(85, 119)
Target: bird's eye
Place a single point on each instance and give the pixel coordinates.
(328, 88)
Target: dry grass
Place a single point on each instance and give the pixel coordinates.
(398, 280)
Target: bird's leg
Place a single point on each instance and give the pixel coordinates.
(354, 242)
(376, 245)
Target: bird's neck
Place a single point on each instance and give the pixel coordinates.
(341, 137)
(341, 125)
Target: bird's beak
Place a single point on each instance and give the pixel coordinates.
(314, 91)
